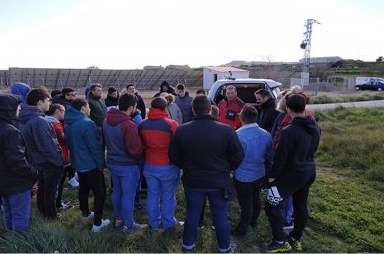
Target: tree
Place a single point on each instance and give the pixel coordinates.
(380, 59)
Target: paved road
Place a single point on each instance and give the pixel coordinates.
(360, 104)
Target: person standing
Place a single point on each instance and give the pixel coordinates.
(67, 96)
(266, 109)
(17, 175)
(207, 151)
(230, 107)
(97, 106)
(292, 174)
(87, 157)
(165, 88)
(162, 177)
(183, 100)
(173, 110)
(124, 151)
(112, 99)
(248, 177)
(44, 149)
(140, 102)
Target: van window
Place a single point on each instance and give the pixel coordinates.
(244, 91)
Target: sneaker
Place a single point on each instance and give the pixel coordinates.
(73, 182)
(288, 226)
(231, 251)
(119, 223)
(295, 244)
(64, 206)
(89, 216)
(136, 227)
(212, 227)
(275, 247)
(104, 224)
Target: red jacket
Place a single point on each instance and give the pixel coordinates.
(65, 152)
(229, 112)
(156, 132)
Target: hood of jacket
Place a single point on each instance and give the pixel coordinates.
(27, 112)
(307, 122)
(20, 89)
(170, 89)
(155, 113)
(8, 108)
(91, 96)
(73, 115)
(110, 98)
(269, 103)
(115, 117)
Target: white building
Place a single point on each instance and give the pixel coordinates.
(212, 74)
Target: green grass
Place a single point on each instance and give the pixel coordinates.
(345, 204)
(323, 99)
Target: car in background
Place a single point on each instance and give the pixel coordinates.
(376, 84)
(245, 89)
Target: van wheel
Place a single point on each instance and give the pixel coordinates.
(357, 88)
(379, 89)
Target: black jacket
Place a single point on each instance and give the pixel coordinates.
(141, 106)
(267, 114)
(207, 151)
(16, 174)
(170, 89)
(297, 146)
(111, 101)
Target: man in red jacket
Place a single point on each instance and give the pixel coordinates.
(162, 177)
(230, 107)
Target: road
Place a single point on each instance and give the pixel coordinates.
(360, 104)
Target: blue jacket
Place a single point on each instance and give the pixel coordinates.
(258, 148)
(40, 137)
(83, 139)
(184, 104)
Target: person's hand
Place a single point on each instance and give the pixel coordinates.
(271, 180)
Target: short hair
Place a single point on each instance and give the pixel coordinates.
(249, 114)
(111, 90)
(214, 111)
(159, 103)
(201, 91)
(67, 90)
(126, 101)
(79, 103)
(180, 87)
(36, 95)
(53, 108)
(201, 105)
(231, 87)
(296, 102)
(131, 84)
(93, 86)
(263, 92)
(55, 92)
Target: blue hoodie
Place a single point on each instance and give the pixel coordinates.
(20, 89)
(83, 139)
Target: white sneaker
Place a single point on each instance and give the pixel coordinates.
(76, 176)
(90, 216)
(73, 182)
(104, 224)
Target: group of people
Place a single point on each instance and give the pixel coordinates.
(213, 147)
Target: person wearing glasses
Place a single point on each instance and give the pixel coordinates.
(67, 96)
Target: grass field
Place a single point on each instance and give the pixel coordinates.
(346, 204)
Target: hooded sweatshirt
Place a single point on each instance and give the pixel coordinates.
(83, 139)
(40, 137)
(297, 146)
(20, 89)
(170, 89)
(156, 132)
(124, 146)
(16, 173)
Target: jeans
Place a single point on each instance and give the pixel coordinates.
(288, 210)
(125, 180)
(16, 211)
(162, 181)
(138, 198)
(218, 205)
(49, 179)
(92, 180)
(249, 201)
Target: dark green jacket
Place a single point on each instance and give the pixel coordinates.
(98, 109)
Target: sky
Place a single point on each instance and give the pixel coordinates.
(130, 34)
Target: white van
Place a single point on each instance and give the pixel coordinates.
(245, 88)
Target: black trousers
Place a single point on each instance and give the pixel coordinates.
(49, 177)
(92, 180)
(249, 201)
(65, 173)
(289, 183)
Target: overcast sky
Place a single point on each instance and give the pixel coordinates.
(128, 34)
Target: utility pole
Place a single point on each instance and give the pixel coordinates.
(306, 46)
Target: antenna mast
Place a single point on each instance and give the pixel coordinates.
(306, 44)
